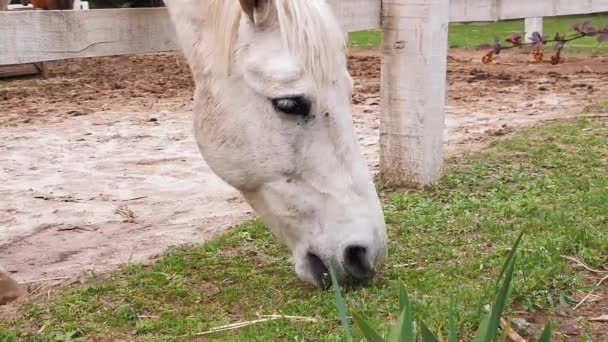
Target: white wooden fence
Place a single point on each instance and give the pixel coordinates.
(414, 50)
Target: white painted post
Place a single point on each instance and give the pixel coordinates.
(533, 24)
(414, 72)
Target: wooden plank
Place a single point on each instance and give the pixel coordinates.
(413, 89)
(22, 70)
(492, 10)
(517, 9)
(472, 10)
(599, 6)
(357, 15)
(36, 36)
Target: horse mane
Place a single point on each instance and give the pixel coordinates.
(308, 29)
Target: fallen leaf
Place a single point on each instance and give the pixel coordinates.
(602, 318)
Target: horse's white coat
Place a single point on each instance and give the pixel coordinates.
(304, 176)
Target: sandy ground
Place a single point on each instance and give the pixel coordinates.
(98, 166)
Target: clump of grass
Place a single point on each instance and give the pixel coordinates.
(404, 328)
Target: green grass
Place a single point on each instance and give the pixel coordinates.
(473, 35)
(447, 244)
(404, 329)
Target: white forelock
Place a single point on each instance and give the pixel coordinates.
(308, 29)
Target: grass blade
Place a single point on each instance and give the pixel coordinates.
(452, 333)
(404, 304)
(547, 335)
(427, 335)
(341, 306)
(509, 258)
(482, 331)
(500, 303)
(369, 333)
(489, 328)
(403, 297)
(397, 329)
(503, 295)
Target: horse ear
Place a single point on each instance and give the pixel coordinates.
(251, 6)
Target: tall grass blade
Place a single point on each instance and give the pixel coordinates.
(369, 333)
(489, 328)
(509, 258)
(341, 306)
(501, 302)
(482, 331)
(404, 304)
(403, 297)
(427, 335)
(452, 333)
(547, 334)
(396, 333)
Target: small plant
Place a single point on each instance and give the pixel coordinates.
(403, 330)
(538, 42)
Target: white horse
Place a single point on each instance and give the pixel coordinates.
(272, 118)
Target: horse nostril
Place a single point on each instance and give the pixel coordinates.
(357, 264)
(319, 270)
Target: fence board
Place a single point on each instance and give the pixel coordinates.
(357, 15)
(35, 36)
(472, 10)
(491, 10)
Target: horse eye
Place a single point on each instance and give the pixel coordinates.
(297, 105)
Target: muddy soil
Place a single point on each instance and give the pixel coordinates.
(98, 166)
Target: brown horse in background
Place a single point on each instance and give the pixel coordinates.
(51, 4)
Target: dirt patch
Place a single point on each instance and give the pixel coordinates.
(97, 191)
(98, 166)
(142, 84)
(571, 324)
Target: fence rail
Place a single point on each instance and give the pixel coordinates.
(38, 36)
(493, 10)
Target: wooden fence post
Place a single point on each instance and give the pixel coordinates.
(413, 89)
(533, 24)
